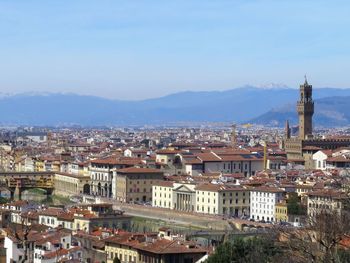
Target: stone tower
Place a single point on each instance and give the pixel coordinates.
(233, 136)
(287, 130)
(305, 109)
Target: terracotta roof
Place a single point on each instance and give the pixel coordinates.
(327, 152)
(311, 148)
(51, 211)
(136, 170)
(304, 186)
(192, 160)
(241, 157)
(66, 216)
(328, 193)
(218, 188)
(235, 175)
(59, 253)
(30, 215)
(164, 183)
(208, 157)
(338, 159)
(268, 189)
(164, 246)
(117, 161)
(167, 151)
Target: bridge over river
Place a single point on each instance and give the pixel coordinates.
(17, 182)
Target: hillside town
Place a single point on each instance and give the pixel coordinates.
(221, 181)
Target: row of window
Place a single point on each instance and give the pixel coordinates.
(322, 206)
(262, 206)
(121, 257)
(224, 194)
(263, 194)
(259, 211)
(262, 218)
(321, 198)
(263, 199)
(281, 210)
(102, 177)
(144, 182)
(160, 195)
(131, 259)
(137, 190)
(161, 203)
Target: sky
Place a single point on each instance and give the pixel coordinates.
(138, 49)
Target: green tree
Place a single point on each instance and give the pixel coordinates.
(343, 255)
(294, 205)
(116, 260)
(256, 249)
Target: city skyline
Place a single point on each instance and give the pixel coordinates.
(138, 50)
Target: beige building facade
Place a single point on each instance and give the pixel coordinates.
(71, 184)
(135, 184)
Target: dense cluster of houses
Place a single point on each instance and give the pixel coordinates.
(191, 171)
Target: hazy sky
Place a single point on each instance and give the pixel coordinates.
(133, 49)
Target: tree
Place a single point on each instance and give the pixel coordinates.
(320, 239)
(22, 237)
(294, 205)
(116, 260)
(256, 249)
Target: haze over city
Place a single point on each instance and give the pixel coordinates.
(144, 49)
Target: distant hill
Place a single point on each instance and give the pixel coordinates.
(236, 105)
(330, 111)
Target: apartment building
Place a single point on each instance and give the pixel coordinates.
(162, 192)
(325, 200)
(144, 248)
(102, 172)
(205, 198)
(225, 162)
(84, 217)
(263, 202)
(135, 184)
(221, 199)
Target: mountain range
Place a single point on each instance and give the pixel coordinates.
(245, 104)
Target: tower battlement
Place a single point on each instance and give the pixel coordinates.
(305, 109)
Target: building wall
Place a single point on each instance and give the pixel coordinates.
(263, 205)
(164, 158)
(316, 204)
(319, 159)
(68, 185)
(248, 168)
(136, 187)
(101, 179)
(50, 221)
(162, 196)
(122, 252)
(234, 203)
(207, 202)
(293, 147)
(121, 182)
(12, 252)
(281, 213)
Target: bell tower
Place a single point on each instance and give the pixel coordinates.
(305, 109)
(233, 136)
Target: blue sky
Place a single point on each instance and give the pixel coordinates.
(135, 49)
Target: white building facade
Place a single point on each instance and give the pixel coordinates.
(263, 202)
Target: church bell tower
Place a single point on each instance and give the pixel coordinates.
(305, 109)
